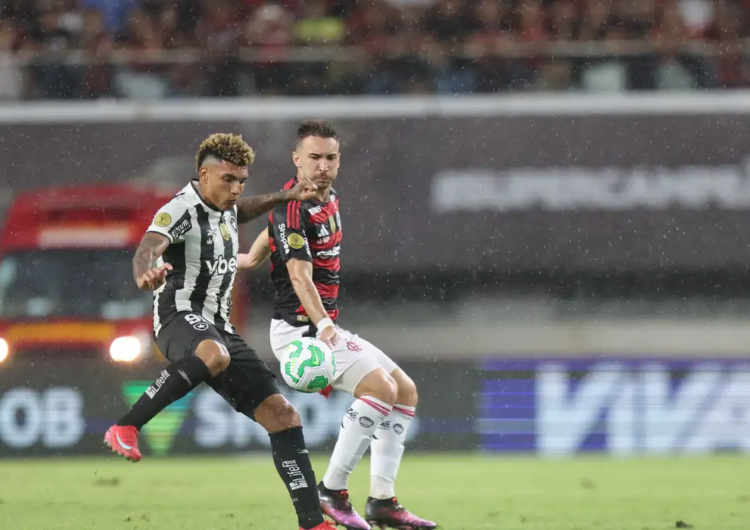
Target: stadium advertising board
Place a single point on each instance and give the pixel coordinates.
(64, 407)
(534, 406)
(585, 192)
(619, 406)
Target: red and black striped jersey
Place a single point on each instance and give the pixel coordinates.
(311, 231)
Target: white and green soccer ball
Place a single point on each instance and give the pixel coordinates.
(307, 365)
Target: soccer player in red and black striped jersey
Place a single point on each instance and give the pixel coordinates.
(304, 239)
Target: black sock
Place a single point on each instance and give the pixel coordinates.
(294, 467)
(175, 382)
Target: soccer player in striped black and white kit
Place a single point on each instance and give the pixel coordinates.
(188, 257)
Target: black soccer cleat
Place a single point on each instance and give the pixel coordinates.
(388, 513)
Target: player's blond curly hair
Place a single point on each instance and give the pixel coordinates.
(225, 146)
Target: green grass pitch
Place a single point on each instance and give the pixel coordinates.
(461, 492)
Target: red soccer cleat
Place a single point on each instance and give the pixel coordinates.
(123, 440)
(325, 525)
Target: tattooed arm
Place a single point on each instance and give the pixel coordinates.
(251, 208)
(146, 275)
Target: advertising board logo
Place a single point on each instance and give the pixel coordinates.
(51, 418)
(159, 433)
(618, 406)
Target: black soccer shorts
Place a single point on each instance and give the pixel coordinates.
(245, 384)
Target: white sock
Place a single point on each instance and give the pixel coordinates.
(360, 422)
(387, 450)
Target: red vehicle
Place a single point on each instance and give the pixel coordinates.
(66, 284)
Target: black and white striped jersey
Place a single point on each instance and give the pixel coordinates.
(203, 246)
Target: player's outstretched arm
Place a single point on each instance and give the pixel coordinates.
(150, 249)
(251, 208)
(259, 252)
(300, 272)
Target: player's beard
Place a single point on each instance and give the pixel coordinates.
(323, 183)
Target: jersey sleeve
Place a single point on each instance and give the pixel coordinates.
(172, 220)
(289, 232)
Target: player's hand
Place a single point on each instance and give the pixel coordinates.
(154, 278)
(330, 336)
(303, 190)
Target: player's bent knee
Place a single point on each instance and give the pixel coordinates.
(215, 355)
(288, 417)
(277, 414)
(407, 390)
(378, 384)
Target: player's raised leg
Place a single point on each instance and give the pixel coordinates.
(177, 380)
(387, 450)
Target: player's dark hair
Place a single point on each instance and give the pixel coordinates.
(321, 129)
(225, 146)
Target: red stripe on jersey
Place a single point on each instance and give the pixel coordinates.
(292, 218)
(327, 291)
(333, 313)
(331, 264)
(333, 240)
(322, 216)
(289, 205)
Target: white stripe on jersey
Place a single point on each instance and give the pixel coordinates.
(192, 264)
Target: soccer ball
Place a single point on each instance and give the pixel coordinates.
(307, 365)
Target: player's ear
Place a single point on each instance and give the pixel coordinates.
(295, 159)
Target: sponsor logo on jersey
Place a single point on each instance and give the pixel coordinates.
(181, 229)
(335, 251)
(221, 265)
(282, 238)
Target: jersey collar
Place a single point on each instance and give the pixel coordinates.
(196, 189)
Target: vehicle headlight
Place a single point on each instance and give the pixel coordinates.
(4, 349)
(125, 349)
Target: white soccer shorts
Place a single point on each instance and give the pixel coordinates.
(355, 357)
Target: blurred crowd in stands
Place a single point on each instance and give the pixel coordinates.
(53, 49)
